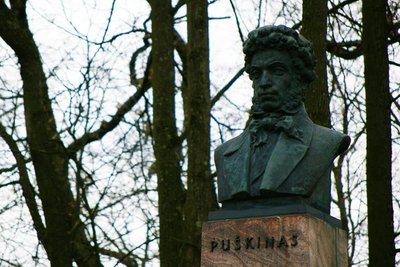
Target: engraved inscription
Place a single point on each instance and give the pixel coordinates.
(259, 242)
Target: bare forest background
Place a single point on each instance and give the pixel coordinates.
(110, 113)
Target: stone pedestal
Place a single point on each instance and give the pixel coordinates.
(278, 241)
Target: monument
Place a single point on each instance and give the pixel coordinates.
(274, 178)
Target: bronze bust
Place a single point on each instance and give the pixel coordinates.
(282, 155)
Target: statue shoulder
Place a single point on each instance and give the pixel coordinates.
(231, 145)
(337, 141)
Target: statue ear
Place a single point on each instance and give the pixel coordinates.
(303, 94)
(302, 86)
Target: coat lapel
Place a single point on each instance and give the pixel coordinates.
(287, 153)
(236, 164)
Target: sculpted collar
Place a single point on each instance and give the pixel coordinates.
(260, 128)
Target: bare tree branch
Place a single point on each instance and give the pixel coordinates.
(27, 188)
(237, 21)
(9, 183)
(341, 5)
(178, 5)
(108, 126)
(226, 87)
(123, 258)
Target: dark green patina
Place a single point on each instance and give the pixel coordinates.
(282, 155)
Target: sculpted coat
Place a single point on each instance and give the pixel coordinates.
(303, 169)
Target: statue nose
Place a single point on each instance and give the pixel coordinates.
(265, 80)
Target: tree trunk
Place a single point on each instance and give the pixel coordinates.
(167, 146)
(314, 29)
(379, 191)
(197, 128)
(48, 153)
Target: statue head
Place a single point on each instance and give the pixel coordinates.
(280, 62)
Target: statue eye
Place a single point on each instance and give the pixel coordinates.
(255, 72)
(278, 70)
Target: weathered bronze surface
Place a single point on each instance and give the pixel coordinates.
(282, 153)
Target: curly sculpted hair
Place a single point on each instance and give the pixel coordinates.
(282, 38)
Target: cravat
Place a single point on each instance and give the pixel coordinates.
(259, 128)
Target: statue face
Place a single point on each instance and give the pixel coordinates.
(273, 79)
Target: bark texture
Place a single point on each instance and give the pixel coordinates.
(314, 29)
(167, 144)
(379, 190)
(197, 128)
